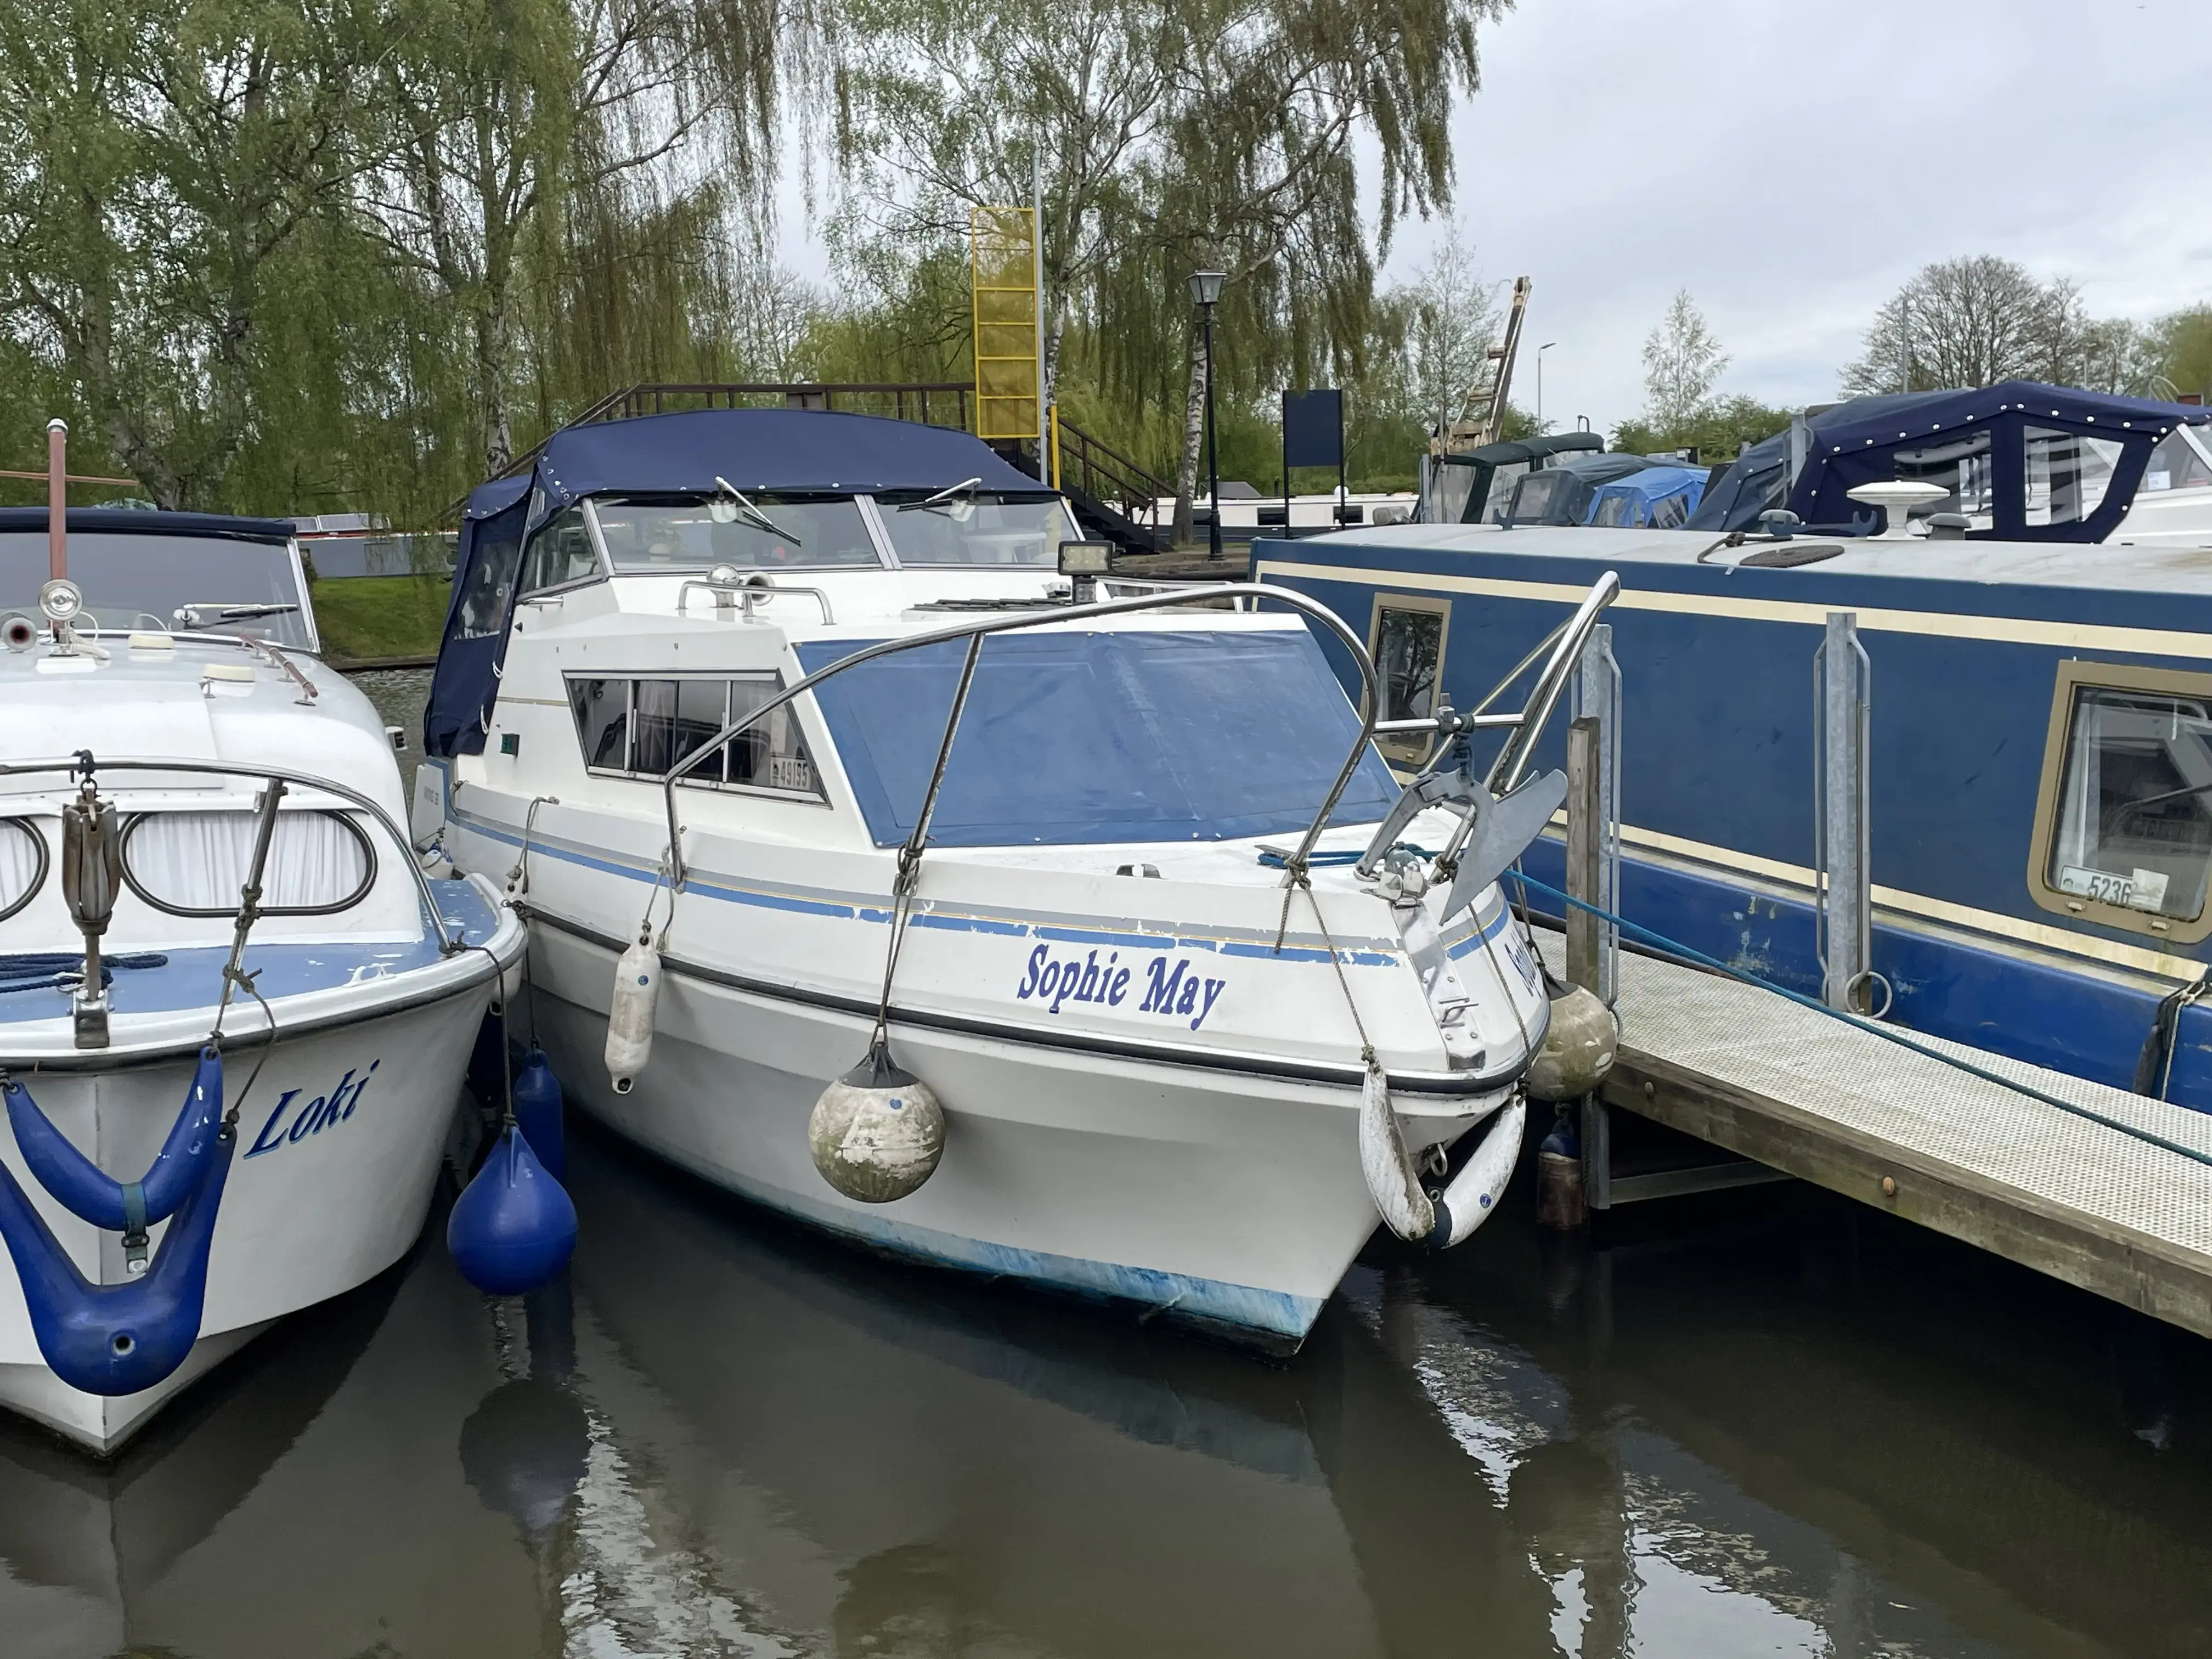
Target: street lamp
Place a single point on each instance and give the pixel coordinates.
(1205, 291)
(1540, 350)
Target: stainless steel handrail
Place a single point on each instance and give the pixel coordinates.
(447, 944)
(1199, 595)
(752, 592)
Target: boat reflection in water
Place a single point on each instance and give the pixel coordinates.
(1795, 1432)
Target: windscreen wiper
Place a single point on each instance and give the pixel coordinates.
(753, 515)
(943, 497)
(189, 614)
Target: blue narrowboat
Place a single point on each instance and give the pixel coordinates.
(2040, 730)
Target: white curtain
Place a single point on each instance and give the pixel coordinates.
(199, 860)
(19, 860)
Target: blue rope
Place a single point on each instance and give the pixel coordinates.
(49, 970)
(1674, 947)
(1323, 861)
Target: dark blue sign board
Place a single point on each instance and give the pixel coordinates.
(1313, 435)
(1313, 429)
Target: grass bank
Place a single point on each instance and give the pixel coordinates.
(368, 616)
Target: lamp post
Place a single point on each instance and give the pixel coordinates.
(1540, 350)
(1205, 290)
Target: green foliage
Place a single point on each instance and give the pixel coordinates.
(365, 617)
(1716, 431)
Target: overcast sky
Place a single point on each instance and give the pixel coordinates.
(1791, 164)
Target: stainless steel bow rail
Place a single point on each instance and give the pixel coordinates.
(76, 764)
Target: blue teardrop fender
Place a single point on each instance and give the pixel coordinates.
(86, 1190)
(118, 1339)
(514, 1227)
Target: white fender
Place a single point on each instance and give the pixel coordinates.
(1471, 1198)
(629, 1015)
(1392, 1182)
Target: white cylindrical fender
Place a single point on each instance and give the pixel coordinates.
(1471, 1198)
(1392, 1181)
(630, 1014)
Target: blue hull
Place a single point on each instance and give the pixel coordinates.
(1717, 764)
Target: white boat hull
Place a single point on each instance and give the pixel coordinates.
(1221, 1198)
(320, 1197)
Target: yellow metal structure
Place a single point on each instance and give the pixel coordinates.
(1008, 373)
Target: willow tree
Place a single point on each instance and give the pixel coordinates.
(155, 163)
(522, 134)
(1168, 134)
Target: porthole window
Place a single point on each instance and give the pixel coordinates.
(22, 863)
(195, 864)
(2124, 824)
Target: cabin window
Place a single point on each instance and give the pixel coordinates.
(767, 531)
(643, 728)
(991, 530)
(1407, 640)
(2123, 832)
(1960, 464)
(2068, 475)
(2176, 463)
(561, 552)
(22, 864)
(195, 864)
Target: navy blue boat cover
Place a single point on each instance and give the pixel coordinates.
(138, 521)
(1856, 442)
(754, 449)
(1112, 737)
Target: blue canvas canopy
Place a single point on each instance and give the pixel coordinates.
(1811, 468)
(1660, 496)
(1130, 735)
(138, 521)
(768, 450)
(1562, 492)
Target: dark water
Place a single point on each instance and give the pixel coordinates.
(1771, 1423)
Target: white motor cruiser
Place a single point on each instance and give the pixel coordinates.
(235, 1014)
(879, 872)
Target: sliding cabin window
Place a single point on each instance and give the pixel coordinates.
(1407, 640)
(2124, 821)
(641, 728)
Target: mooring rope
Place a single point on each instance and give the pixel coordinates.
(1675, 947)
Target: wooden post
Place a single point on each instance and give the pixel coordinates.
(1585, 848)
(56, 500)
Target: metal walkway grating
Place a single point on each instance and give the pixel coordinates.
(1756, 1073)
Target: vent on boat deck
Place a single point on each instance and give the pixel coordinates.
(194, 864)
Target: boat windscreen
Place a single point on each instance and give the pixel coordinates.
(187, 584)
(766, 530)
(992, 530)
(1069, 739)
